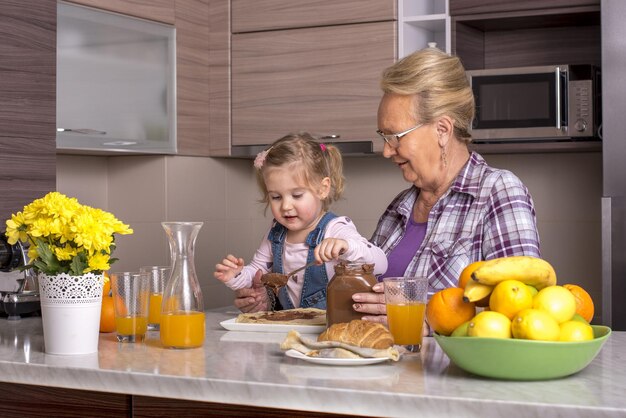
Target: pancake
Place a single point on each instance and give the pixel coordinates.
(297, 316)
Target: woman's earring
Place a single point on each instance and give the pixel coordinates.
(444, 157)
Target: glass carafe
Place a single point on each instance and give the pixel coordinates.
(182, 310)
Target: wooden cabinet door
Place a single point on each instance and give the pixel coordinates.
(257, 15)
(27, 102)
(466, 7)
(322, 80)
(157, 10)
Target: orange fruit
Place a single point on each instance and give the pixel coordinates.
(466, 276)
(107, 315)
(446, 310)
(584, 303)
(106, 288)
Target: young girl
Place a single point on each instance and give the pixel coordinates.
(299, 179)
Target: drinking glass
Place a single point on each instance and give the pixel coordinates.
(130, 298)
(405, 298)
(158, 276)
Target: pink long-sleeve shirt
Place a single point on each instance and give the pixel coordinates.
(295, 256)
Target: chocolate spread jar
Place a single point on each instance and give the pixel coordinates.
(349, 278)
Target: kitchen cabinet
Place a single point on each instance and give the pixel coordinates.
(519, 34)
(466, 7)
(321, 77)
(421, 23)
(191, 19)
(157, 10)
(260, 15)
(27, 102)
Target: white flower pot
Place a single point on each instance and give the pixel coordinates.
(70, 310)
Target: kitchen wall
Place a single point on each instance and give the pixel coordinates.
(145, 190)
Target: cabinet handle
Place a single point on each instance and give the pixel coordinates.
(558, 97)
(330, 136)
(84, 131)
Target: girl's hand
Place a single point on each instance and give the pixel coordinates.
(253, 299)
(330, 249)
(228, 268)
(372, 304)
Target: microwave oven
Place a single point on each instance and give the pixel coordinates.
(542, 103)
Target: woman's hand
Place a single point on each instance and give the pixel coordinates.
(372, 304)
(253, 299)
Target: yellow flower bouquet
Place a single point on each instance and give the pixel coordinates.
(65, 236)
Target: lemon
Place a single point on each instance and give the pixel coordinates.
(533, 290)
(557, 301)
(509, 297)
(579, 318)
(535, 324)
(461, 330)
(575, 331)
(490, 324)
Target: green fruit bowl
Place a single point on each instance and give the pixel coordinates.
(513, 359)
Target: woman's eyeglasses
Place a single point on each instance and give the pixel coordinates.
(393, 140)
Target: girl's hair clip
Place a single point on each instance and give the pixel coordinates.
(259, 160)
(323, 147)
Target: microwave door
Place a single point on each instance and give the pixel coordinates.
(520, 106)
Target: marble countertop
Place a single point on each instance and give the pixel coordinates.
(249, 368)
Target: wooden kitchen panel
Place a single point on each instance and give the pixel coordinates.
(466, 7)
(28, 171)
(27, 103)
(219, 78)
(28, 69)
(149, 407)
(158, 10)
(192, 77)
(321, 80)
(258, 15)
(20, 401)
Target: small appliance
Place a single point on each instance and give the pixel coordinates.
(19, 290)
(552, 102)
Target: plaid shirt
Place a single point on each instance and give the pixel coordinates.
(486, 213)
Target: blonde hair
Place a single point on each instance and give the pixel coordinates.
(439, 81)
(311, 159)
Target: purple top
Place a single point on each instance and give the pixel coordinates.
(402, 254)
(486, 213)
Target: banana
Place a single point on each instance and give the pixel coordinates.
(475, 291)
(529, 270)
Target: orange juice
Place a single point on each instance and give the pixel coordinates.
(131, 325)
(182, 329)
(154, 308)
(406, 322)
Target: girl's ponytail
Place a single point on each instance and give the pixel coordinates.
(334, 162)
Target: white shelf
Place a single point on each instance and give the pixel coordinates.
(421, 22)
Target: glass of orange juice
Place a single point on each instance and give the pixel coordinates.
(405, 298)
(158, 276)
(130, 299)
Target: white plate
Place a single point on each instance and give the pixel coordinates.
(336, 361)
(231, 325)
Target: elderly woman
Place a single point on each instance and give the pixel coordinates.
(458, 209)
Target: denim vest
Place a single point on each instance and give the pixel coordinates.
(315, 278)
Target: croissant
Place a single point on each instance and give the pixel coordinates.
(359, 333)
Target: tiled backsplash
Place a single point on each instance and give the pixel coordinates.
(145, 190)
